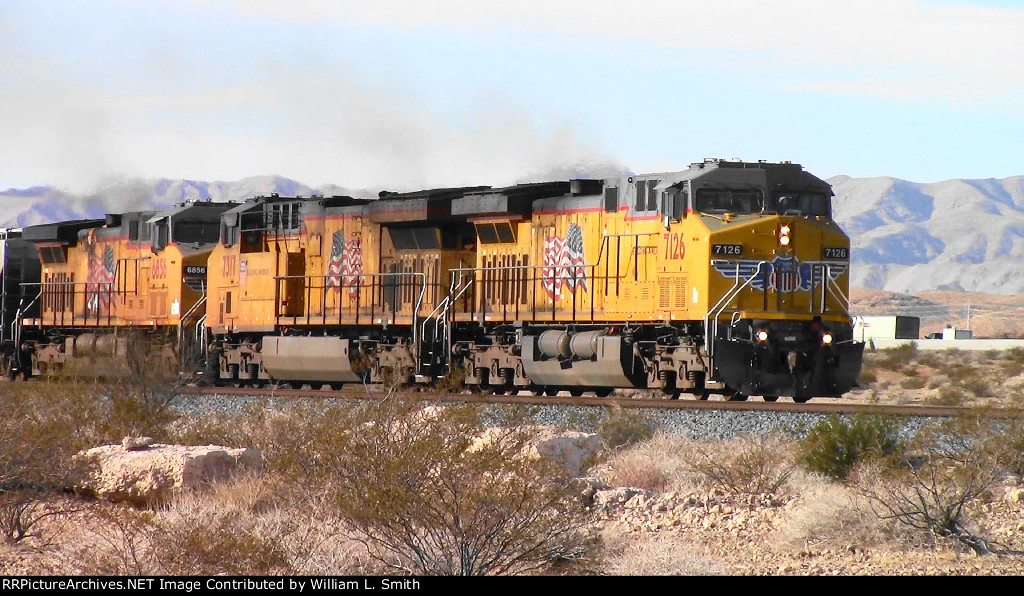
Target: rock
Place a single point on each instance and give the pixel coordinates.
(637, 502)
(575, 449)
(589, 487)
(151, 475)
(1015, 495)
(136, 443)
(616, 496)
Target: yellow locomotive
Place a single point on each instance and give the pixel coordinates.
(727, 277)
(330, 290)
(141, 270)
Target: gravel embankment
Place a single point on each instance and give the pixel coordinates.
(696, 424)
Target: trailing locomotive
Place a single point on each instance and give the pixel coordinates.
(728, 277)
(97, 280)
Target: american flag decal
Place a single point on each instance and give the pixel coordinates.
(100, 281)
(563, 262)
(346, 263)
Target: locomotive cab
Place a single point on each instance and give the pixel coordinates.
(777, 322)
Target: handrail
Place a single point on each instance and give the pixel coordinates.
(837, 292)
(829, 284)
(442, 310)
(185, 317)
(412, 274)
(711, 320)
(200, 331)
(16, 324)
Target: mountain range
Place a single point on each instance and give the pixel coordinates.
(955, 235)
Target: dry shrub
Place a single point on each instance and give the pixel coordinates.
(960, 372)
(425, 495)
(897, 357)
(638, 470)
(623, 427)
(1011, 368)
(931, 359)
(749, 464)
(216, 532)
(135, 390)
(831, 516)
(117, 541)
(948, 395)
(937, 381)
(453, 381)
(42, 429)
(195, 540)
(654, 554)
(954, 467)
(976, 386)
(660, 464)
(1014, 355)
(219, 428)
(913, 383)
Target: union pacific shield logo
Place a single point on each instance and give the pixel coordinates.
(781, 274)
(788, 275)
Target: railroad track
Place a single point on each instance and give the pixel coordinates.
(823, 406)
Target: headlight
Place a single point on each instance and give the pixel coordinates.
(826, 338)
(761, 336)
(785, 235)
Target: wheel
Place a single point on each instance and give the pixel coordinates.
(316, 386)
(738, 396)
(575, 392)
(605, 392)
(537, 389)
(703, 395)
(771, 398)
(551, 391)
(295, 384)
(802, 400)
(337, 386)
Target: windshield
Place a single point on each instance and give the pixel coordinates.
(729, 200)
(801, 203)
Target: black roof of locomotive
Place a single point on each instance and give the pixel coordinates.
(65, 231)
(519, 199)
(421, 205)
(713, 172)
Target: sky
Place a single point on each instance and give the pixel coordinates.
(404, 95)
